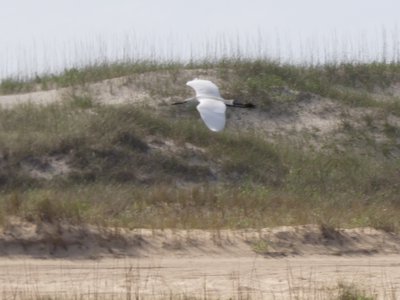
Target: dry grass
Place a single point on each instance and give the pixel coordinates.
(137, 167)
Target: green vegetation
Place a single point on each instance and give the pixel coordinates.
(352, 84)
(117, 175)
(84, 75)
(132, 166)
(254, 76)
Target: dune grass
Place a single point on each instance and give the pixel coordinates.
(84, 75)
(135, 167)
(132, 167)
(353, 84)
(254, 75)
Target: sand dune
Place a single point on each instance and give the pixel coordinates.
(302, 262)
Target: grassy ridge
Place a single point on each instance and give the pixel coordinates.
(118, 177)
(101, 142)
(256, 75)
(134, 167)
(88, 74)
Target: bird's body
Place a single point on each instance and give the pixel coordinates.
(211, 106)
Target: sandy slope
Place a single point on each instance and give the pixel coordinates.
(82, 242)
(278, 263)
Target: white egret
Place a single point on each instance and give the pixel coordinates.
(211, 106)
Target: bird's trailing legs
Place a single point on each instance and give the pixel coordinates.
(230, 103)
(235, 103)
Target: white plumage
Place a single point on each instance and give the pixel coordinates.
(211, 105)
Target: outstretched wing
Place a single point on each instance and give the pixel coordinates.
(213, 113)
(204, 88)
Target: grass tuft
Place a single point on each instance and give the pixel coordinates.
(351, 292)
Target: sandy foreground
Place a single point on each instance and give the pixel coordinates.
(302, 262)
(309, 277)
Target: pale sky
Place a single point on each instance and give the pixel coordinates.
(48, 34)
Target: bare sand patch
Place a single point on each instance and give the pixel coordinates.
(211, 277)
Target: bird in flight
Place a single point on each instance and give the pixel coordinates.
(211, 105)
